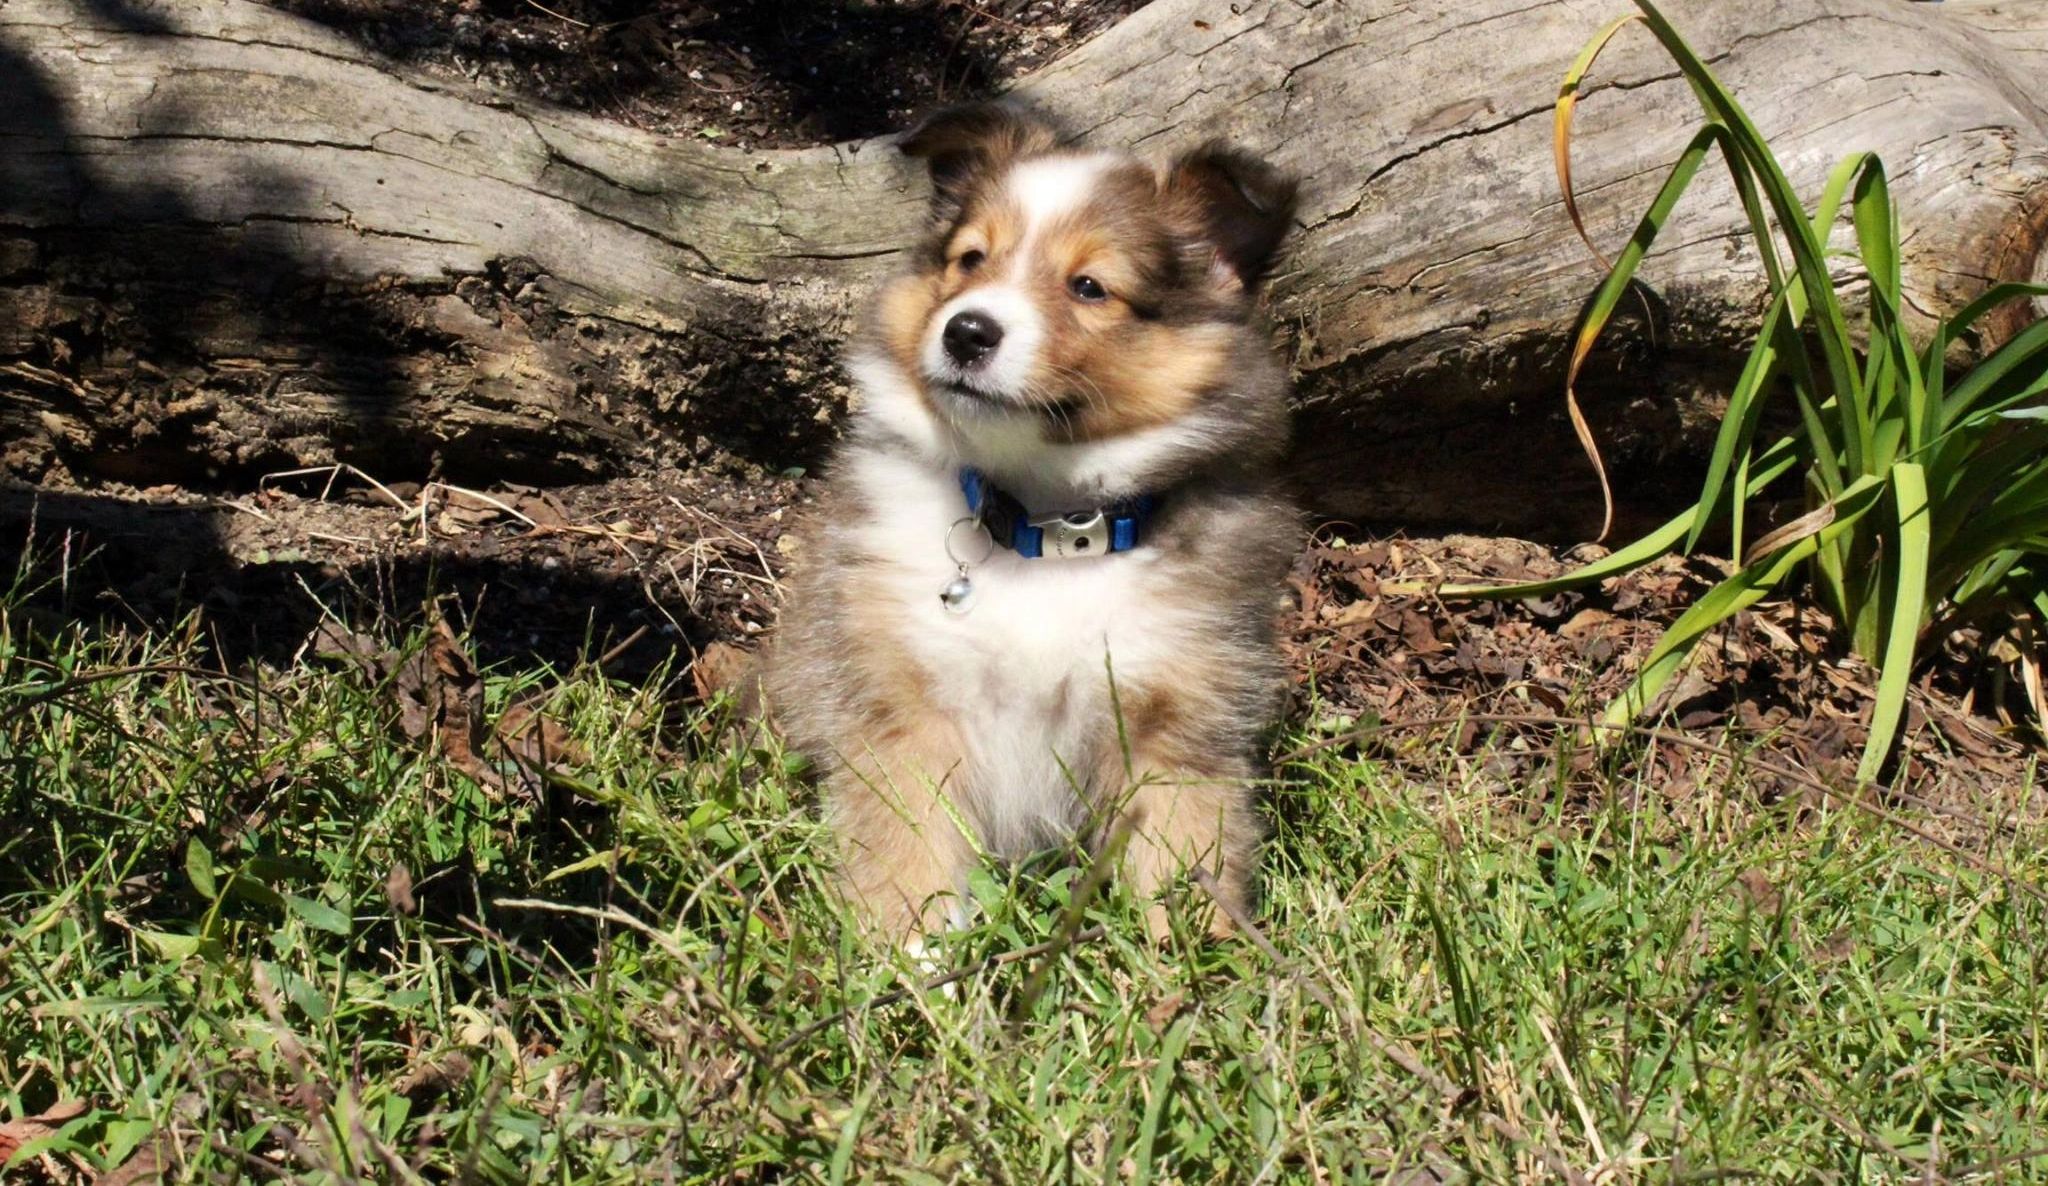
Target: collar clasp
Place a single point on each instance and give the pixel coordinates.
(1084, 533)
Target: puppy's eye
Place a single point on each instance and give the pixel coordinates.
(970, 260)
(1087, 288)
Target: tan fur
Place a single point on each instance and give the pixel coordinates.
(1155, 377)
(904, 309)
(1176, 821)
(902, 844)
(1180, 800)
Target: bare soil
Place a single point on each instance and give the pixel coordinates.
(1507, 686)
(748, 73)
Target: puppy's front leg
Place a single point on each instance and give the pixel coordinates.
(1175, 820)
(904, 853)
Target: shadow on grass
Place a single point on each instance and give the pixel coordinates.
(154, 567)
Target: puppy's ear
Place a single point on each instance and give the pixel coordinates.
(965, 143)
(1241, 206)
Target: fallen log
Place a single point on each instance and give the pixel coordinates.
(233, 241)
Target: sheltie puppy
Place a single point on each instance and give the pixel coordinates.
(1035, 602)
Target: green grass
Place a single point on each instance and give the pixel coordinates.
(197, 940)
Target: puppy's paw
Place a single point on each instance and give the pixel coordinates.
(930, 966)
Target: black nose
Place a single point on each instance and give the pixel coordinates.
(971, 337)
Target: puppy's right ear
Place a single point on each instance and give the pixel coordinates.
(963, 144)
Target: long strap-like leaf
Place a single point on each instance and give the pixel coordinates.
(1907, 580)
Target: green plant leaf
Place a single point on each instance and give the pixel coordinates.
(176, 949)
(318, 915)
(271, 870)
(242, 887)
(1934, 358)
(199, 869)
(2020, 358)
(1908, 577)
(1738, 430)
(1809, 259)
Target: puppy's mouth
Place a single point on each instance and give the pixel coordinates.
(966, 393)
(964, 397)
(964, 390)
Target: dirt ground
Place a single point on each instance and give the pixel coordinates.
(761, 73)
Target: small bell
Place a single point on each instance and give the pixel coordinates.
(957, 595)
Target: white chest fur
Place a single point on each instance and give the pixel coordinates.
(1025, 673)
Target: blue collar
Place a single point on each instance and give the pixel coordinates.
(1114, 527)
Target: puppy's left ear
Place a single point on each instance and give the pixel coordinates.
(1242, 206)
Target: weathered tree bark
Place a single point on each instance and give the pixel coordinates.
(232, 241)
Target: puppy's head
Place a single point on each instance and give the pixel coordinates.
(1094, 290)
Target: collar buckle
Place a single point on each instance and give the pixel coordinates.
(1083, 533)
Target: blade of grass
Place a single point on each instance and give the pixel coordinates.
(1161, 1085)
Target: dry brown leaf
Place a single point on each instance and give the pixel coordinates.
(1165, 1010)
(1837, 946)
(398, 889)
(155, 1160)
(16, 1133)
(538, 740)
(721, 667)
(1418, 634)
(1758, 890)
(440, 696)
(1962, 733)
(1356, 612)
(434, 1077)
(1586, 625)
(543, 508)
(461, 724)
(332, 640)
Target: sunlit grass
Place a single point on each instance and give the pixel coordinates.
(637, 973)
